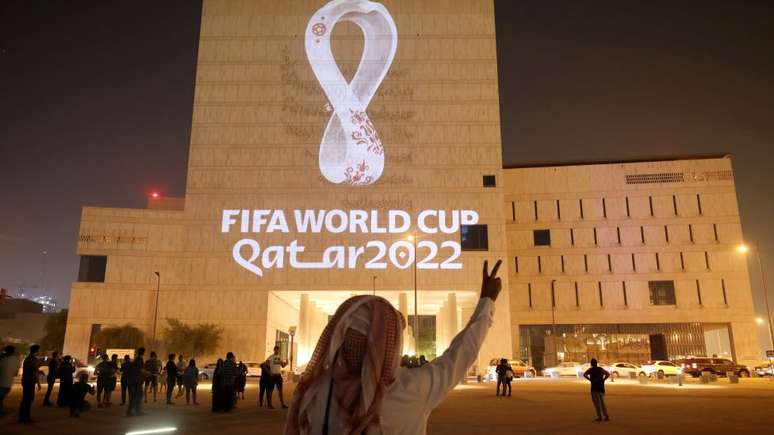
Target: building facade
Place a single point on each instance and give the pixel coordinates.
(353, 147)
(628, 261)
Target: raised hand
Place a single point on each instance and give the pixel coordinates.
(490, 284)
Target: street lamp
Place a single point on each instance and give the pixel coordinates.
(292, 332)
(744, 249)
(156, 306)
(413, 239)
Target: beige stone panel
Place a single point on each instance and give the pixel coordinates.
(584, 237)
(588, 292)
(560, 238)
(631, 236)
(622, 263)
(704, 233)
(573, 264)
(730, 233)
(612, 294)
(547, 211)
(645, 262)
(541, 295)
(639, 206)
(637, 294)
(687, 205)
(570, 209)
(592, 208)
(718, 204)
(670, 262)
(76, 341)
(655, 235)
(616, 207)
(695, 261)
(520, 239)
(607, 236)
(679, 234)
(744, 335)
(663, 206)
(598, 263)
(711, 293)
(519, 296)
(551, 264)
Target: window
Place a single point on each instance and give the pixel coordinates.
(577, 295)
(516, 264)
(662, 292)
(698, 291)
(490, 181)
(474, 237)
(513, 209)
(92, 268)
(529, 293)
(542, 237)
(625, 295)
(723, 286)
(599, 289)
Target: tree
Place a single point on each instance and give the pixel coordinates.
(121, 337)
(191, 340)
(55, 327)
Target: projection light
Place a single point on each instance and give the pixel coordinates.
(153, 431)
(742, 249)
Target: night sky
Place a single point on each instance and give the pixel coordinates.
(96, 100)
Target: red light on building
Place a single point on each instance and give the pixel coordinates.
(154, 195)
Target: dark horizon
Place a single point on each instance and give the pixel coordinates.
(98, 103)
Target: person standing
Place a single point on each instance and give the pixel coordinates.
(53, 368)
(105, 374)
(504, 376)
(29, 380)
(228, 381)
(9, 365)
(276, 363)
(191, 380)
(597, 376)
(217, 390)
(180, 371)
(66, 371)
(153, 371)
(266, 385)
(241, 380)
(134, 378)
(111, 386)
(171, 378)
(124, 382)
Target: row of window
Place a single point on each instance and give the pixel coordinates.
(645, 234)
(626, 207)
(653, 261)
(660, 293)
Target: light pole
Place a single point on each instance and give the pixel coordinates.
(374, 284)
(744, 249)
(553, 307)
(156, 305)
(413, 239)
(292, 332)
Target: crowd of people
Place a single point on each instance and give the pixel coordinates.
(139, 379)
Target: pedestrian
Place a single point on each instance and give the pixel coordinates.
(191, 380)
(66, 372)
(228, 379)
(217, 390)
(153, 371)
(124, 383)
(78, 393)
(422, 360)
(135, 377)
(266, 384)
(111, 386)
(353, 384)
(597, 376)
(171, 378)
(180, 371)
(105, 374)
(504, 376)
(9, 366)
(53, 369)
(241, 380)
(276, 363)
(29, 380)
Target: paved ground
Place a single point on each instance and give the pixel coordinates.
(538, 406)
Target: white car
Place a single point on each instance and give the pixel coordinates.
(623, 369)
(253, 369)
(563, 369)
(206, 372)
(667, 368)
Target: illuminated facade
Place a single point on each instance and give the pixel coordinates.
(625, 261)
(344, 148)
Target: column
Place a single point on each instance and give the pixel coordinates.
(303, 330)
(403, 308)
(451, 317)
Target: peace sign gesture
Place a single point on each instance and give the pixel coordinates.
(490, 284)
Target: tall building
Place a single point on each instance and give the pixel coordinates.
(353, 147)
(325, 135)
(628, 261)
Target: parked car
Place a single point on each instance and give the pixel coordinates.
(624, 369)
(718, 366)
(520, 369)
(206, 372)
(253, 369)
(764, 369)
(666, 368)
(563, 369)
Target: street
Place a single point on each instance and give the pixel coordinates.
(538, 406)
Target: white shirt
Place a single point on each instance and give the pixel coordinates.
(9, 366)
(416, 392)
(275, 364)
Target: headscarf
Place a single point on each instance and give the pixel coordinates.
(360, 350)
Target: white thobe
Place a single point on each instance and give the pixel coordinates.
(415, 392)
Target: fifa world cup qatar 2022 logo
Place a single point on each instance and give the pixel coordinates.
(351, 151)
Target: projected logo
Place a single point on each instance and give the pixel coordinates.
(351, 151)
